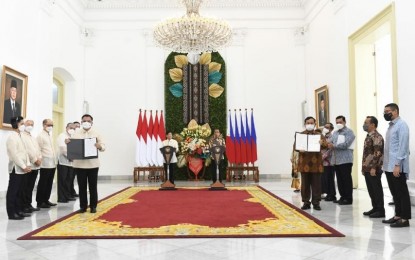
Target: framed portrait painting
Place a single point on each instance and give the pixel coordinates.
(322, 106)
(13, 96)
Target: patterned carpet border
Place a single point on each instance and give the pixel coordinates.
(289, 221)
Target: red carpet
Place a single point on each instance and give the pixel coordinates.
(146, 212)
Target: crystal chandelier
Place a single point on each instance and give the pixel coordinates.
(192, 33)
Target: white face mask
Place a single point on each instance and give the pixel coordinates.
(29, 128)
(86, 125)
(22, 128)
(71, 131)
(339, 126)
(309, 127)
(49, 128)
(325, 131)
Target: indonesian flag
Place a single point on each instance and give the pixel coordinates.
(161, 136)
(143, 142)
(230, 148)
(154, 147)
(237, 142)
(253, 139)
(243, 140)
(150, 139)
(248, 140)
(138, 134)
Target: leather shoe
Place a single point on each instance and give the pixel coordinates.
(82, 210)
(367, 213)
(22, 214)
(93, 210)
(16, 217)
(345, 202)
(400, 223)
(336, 201)
(377, 214)
(43, 205)
(75, 195)
(390, 221)
(306, 206)
(51, 204)
(34, 209)
(27, 210)
(71, 199)
(328, 198)
(316, 207)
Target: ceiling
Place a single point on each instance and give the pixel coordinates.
(131, 4)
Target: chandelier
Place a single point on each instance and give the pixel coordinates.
(192, 33)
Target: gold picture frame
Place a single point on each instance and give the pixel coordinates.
(322, 106)
(13, 96)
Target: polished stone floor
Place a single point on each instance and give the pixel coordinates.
(365, 238)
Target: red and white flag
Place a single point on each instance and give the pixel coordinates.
(154, 149)
(150, 139)
(138, 134)
(160, 138)
(143, 142)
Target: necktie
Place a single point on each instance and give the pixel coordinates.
(13, 109)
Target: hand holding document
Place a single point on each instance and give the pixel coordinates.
(80, 149)
(306, 142)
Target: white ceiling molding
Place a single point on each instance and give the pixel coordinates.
(132, 4)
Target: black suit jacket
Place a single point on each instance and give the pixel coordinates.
(8, 113)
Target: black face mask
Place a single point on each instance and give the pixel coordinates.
(365, 128)
(388, 116)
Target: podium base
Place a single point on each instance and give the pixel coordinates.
(167, 185)
(217, 186)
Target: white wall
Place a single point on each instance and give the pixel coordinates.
(45, 39)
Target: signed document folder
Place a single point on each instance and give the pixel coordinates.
(81, 149)
(308, 143)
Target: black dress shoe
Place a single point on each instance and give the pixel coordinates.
(51, 204)
(82, 210)
(93, 210)
(400, 223)
(390, 221)
(367, 213)
(328, 198)
(306, 206)
(71, 199)
(377, 214)
(345, 202)
(16, 217)
(316, 207)
(43, 205)
(27, 210)
(336, 201)
(22, 214)
(62, 201)
(34, 209)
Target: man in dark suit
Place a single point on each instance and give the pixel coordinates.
(11, 106)
(322, 112)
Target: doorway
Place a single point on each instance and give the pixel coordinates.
(373, 78)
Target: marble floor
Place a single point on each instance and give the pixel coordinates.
(365, 238)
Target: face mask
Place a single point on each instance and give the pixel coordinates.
(339, 126)
(325, 131)
(49, 129)
(86, 125)
(309, 127)
(365, 128)
(29, 128)
(71, 131)
(388, 116)
(22, 128)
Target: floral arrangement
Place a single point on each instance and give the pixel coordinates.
(193, 142)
